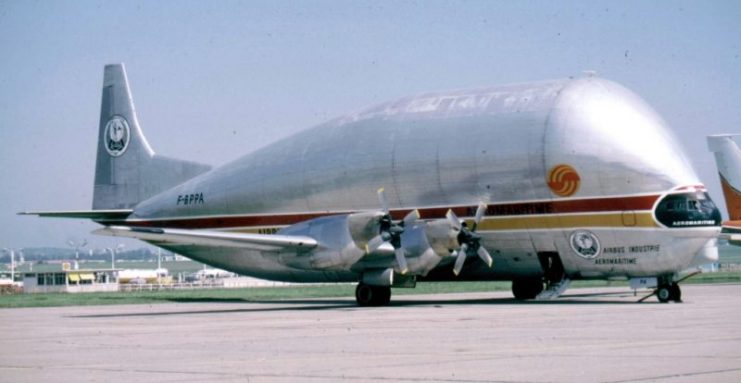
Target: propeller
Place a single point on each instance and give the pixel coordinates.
(390, 231)
(468, 239)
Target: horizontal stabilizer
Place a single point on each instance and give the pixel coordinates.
(95, 215)
(731, 232)
(730, 237)
(258, 242)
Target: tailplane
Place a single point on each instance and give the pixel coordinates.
(728, 161)
(127, 170)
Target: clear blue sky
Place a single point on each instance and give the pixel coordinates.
(214, 80)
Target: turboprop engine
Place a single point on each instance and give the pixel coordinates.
(368, 238)
(425, 244)
(336, 248)
(419, 245)
(344, 239)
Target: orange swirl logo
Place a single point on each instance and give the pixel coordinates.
(563, 180)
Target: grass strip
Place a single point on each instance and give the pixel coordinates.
(255, 294)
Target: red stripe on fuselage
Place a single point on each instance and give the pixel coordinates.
(635, 203)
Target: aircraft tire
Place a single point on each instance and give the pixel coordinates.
(664, 293)
(367, 295)
(524, 289)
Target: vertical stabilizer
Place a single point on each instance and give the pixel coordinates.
(127, 171)
(728, 161)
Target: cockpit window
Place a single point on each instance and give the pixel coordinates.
(692, 205)
(687, 210)
(707, 204)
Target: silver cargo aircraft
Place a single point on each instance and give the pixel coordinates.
(538, 183)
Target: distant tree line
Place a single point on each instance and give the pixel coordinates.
(45, 254)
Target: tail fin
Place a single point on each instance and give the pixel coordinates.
(127, 171)
(728, 161)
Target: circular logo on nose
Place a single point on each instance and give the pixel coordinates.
(116, 136)
(563, 180)
(585, 244)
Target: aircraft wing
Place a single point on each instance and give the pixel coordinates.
(96, 215)
(258, 242)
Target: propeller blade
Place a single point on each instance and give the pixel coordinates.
(480, 211)
(485, 256)
(401, 260)
(453, 219)
(460, 259)
(374, 244)
(410, 218)
(382, 200)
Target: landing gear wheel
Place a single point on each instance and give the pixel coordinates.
(367, 295)
(667, 293)
(524, 289)
(664, 293)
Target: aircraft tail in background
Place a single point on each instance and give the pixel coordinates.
(728, 161)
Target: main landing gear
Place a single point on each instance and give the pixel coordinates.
(367, 295)
(528, 288)
(554, 277)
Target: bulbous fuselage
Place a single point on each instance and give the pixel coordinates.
(557, 162)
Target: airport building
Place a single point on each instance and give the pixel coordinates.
(110, 280)
(70, 281)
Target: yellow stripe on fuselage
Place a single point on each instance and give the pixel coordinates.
(564, 221)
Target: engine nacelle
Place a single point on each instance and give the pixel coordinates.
(425, 244)
(364, 226)
(442, 236)
(343, 239)
(337, 249)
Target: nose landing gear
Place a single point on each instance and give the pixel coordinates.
(669, 292)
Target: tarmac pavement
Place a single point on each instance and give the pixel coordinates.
(477, 337)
